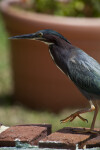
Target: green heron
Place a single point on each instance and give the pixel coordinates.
(81, 68)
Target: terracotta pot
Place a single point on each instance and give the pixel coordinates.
(37, 81)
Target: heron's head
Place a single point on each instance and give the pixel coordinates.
(47, 36)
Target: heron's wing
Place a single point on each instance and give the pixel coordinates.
(84, 71)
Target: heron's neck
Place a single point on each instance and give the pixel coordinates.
(60, 54)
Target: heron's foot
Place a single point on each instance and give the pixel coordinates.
(84, 130)
(72, 117)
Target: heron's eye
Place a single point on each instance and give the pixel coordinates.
(40, 34)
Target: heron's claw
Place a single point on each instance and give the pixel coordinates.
(83, 119)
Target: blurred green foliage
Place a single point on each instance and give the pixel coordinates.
(6, 85)
(45, 6)
(78, 8)
(5, 70)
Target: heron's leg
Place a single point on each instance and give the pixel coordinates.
(95, 115)
(77, 114)
(91, 130)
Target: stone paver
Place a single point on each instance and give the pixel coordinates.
(31, 134)
(66, 138)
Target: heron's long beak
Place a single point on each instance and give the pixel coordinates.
(25, 36)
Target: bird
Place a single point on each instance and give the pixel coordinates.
(77, 65)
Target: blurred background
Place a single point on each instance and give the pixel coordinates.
(32, 89)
